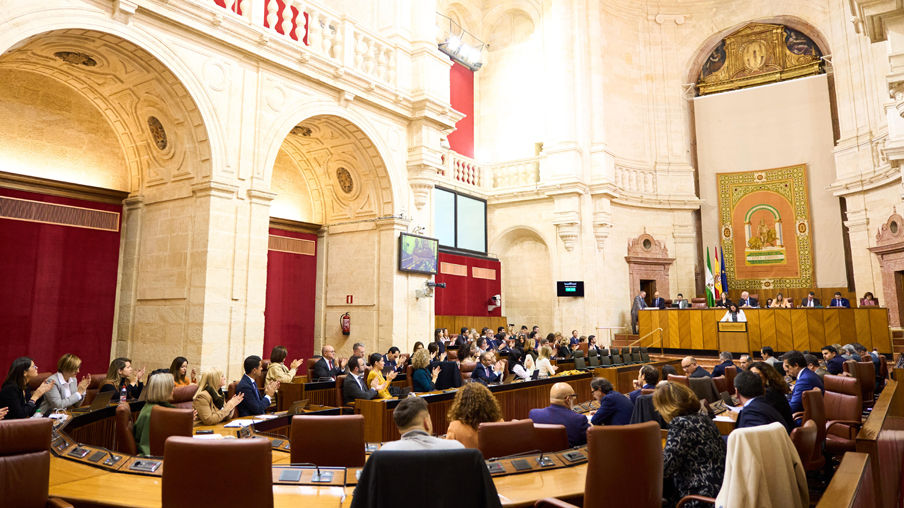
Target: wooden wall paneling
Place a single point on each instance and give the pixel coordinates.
(663, 319)
(646, 323)
(784, 336)
(847, 329)
(767, 329)
(674, 328)
(454, 323)
(832, 326)
(710, 328)
(799, 331)
(878, 321)
(881, 438)
(696, 326)
(861, 323)
(753, 328)
(684, 323)
(816, 328)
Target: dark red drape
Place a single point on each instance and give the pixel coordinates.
(59, 289)
(289, 314)
(461, 90)
(467, 295)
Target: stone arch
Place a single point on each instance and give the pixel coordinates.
(496, 15)
(508, 236)
(36, 29)
(328, 119)
(469, 18)
(530, 295)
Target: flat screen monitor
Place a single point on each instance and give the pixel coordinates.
(418, 254)
(570, 288)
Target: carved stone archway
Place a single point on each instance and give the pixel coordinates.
(648, 259)
(889, 250)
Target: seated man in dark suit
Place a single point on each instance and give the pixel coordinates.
(327, 366)
(559, 412)
(354, 387)
(252, 403)
(646, 379)
(658, 302)
(757, 410)
(574, 339)
(747, 302)
(391, 359)
(690, 368)
(810, 301)
(615, 408)
(834, 362)
(796, 366)
(463, 338)
(838, 301)
(489, 371)
(719, 370)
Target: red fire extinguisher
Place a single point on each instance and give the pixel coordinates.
(346, 323)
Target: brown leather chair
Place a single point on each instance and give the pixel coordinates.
(815, 411)
(721, 383)
(182, 396)
(699, 303)
(498, 439)
(627, 459)
(125, 440)
(844, 408)
(755, 296)
(340, 396)
(36, 382)
(804, 439)
(193, 465)
(93, 388)
(550, 438)
(230, 390)
(731, 373)
(647, 391)
(166, 422)
(25, 464)
(680, 380)
(451, 355)
(867, 376)
(331, 441)
(311, 363)
(466, 369)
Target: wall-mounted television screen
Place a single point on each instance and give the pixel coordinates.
(418, 254)
(570, 288)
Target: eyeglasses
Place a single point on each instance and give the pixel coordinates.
(570, 396)
(685, 367)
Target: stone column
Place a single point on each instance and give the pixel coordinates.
(685, 254)
(867, 274)
(126, 293)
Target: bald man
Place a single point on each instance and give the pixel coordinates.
(690, 368)
(559, 412)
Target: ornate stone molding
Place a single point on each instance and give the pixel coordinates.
(123, 10)
(648, 259)
(857, 221)
(422, 179)
(261, 197)
(214, 189)
(602, 224)
(889, 250)
(569, 233)
(133, 203)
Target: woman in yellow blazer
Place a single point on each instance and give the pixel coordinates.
(277, 371)
(375, 360)
(210, 405)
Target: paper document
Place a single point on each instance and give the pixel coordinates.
(237, 424)
(721, 418)
(207, 436)
(735, 409)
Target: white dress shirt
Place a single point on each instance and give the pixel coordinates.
(65, 387)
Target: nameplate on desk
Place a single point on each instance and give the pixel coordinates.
(729, 326)
(495, 467)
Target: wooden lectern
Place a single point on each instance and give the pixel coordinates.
(733, 337)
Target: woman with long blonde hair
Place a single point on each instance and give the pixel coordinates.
(209, 401)
(546, 368)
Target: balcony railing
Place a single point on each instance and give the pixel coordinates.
(464, 171)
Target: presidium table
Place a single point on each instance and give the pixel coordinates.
(781, 329)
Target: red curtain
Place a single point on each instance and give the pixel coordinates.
(467, 295)
(59, 289)
(461, 84)
(289, 314)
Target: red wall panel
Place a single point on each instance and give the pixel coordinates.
(466, 295)
(58, 293)
(289, 314)
(461, 82)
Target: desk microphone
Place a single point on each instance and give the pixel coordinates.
(544, 461)
(531, 452)
(318, 477)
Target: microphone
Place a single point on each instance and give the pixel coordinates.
(531, 452)
(324, 477)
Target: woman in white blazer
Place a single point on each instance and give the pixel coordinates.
(66, 392)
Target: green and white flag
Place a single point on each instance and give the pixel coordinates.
(710, 295)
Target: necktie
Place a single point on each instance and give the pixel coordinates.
(488, 372)
(331, 364)
(838, 303)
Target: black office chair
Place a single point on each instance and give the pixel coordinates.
(605, 360)
(594, 359)
(616, 358)
(579, 363)
(644, 355)
(635, 355)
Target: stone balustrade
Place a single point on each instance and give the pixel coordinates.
(635, 180)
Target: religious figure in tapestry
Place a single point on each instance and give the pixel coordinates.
(755, 208)
(758, 54)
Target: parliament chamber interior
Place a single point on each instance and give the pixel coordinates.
(482, 253)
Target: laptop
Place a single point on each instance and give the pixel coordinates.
(509, 379)
(404, 393)
(726, 398)
(101, 401)
(535, 376)
(297, 407)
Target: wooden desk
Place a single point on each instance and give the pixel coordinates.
(883, 440)
(516, 401)
(781, 329)
(622, 378)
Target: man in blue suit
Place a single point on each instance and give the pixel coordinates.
(838, 301)
(487, 372)
(719, 370)
(615, 408)
(253, 403)
(757, 410)
(796, 366)
(658, 302)
(834, 361)
(810, 301)
(646, 379)
(559, 412)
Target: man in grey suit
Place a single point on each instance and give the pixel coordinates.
(414, 424)
(635, 308)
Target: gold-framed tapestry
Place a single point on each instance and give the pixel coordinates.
(765, 228)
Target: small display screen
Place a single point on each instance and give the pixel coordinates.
(570, 288)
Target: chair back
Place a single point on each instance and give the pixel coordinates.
(498, 439)
(731, 372)
(615, 357)
(594, 360)
(679, 379)
(36, 382)
(25, 462)
(125, 440)
(644, 355)
(579, 362)
(311, 363)
(867, 376)
(721, 384)
(331, 441)
(627, 459)
(804, 439)
(340, 397)
(605, 359)
(166, 422)
(261, 379)
(194, 465)
(409, 375)
(451, 355)
(93, 388)
(550, 438)
(843, 401)
(182, 396)
(466, 369)
(883, 369)
(815, 410)
(614, 351)
(230, 390)
(647, 391)
(698, 303)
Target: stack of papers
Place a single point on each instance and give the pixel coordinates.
(208, 436)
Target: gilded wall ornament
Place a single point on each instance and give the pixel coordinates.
(74, 58)
(345, 180)
(157, 132)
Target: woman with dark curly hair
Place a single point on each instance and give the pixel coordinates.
(776, 389)
(473, 405)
